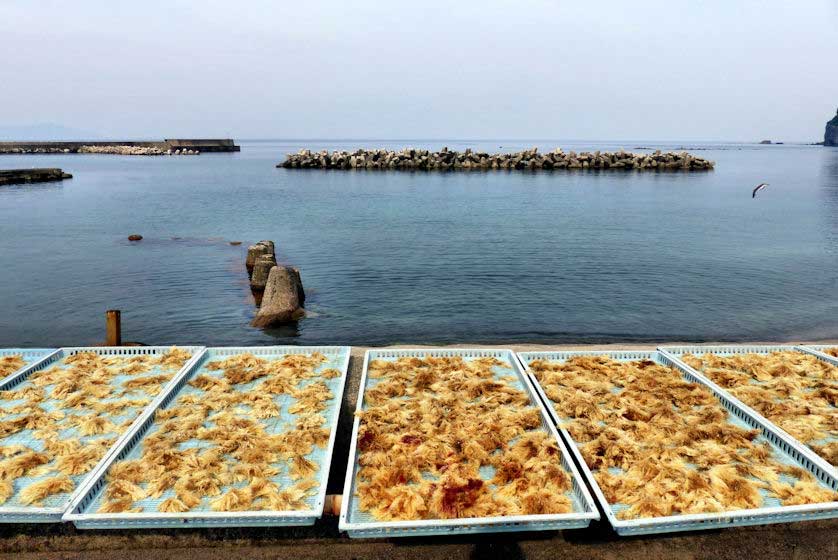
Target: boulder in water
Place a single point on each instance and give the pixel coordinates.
(270, 245)
(283, 299)
(256, 251)
(261, 269)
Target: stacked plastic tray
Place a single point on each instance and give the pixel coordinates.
(54, 506)
(676, 352)
(82, 504)
(819, 350)
(83, 510)
(785, 449)
(360, 524)
(30, 356)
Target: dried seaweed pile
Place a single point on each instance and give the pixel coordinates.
(58, 423)
(428, 427)
(221, 445)
(831, 351)
(10, 364)
(662, 446)
(796, 391)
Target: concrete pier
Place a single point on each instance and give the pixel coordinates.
(37, 175)
(193, 144)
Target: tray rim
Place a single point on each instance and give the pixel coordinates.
(491, 524)
(675, 353)
(46, 353)
(674, 523)
(815, 349)
(229, 519)
(23, 514)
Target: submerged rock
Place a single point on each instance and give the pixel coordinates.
(283, 299)
(135, 237)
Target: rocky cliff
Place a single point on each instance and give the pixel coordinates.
(830, 137)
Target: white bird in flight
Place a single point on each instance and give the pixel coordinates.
(758, 188)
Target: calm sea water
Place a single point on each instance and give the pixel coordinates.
(394, 257)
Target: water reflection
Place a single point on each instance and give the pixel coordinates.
(289, 330)
(828, 188)
(426, 258)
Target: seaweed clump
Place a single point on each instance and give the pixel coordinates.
(10, 364)
(62, 418)
(659, 445)
(217, 447)
(796, 391)
(430, 425)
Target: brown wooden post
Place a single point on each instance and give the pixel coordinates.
(113, 325)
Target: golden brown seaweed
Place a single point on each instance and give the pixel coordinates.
(228, 409)
(796, 391)
(662, 445)
(430, 424)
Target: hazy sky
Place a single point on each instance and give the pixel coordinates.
(657, 70)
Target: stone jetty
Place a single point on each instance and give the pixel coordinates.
(277, 289)
(444, 160)
(135, 151)
(169, 146)
(37, 175)
(259, 277)
(114, 150)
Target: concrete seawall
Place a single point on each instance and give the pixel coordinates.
(200, 145)
(37, 175)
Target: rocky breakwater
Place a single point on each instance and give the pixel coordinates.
(135, 151)
(171, 147)
(36, 150)
(277, 289)
(37, 175)
(445, 160)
